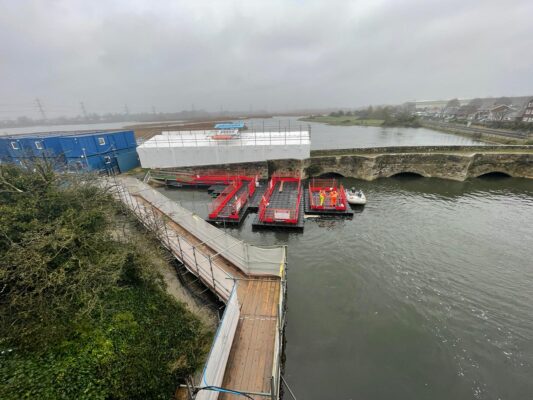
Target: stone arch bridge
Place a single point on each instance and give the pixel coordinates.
(450, 162)
(446, 162)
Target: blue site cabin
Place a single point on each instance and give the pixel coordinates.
(90, 151)
(230, 126)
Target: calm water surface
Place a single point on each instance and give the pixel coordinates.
(339, 137)
(427, 293)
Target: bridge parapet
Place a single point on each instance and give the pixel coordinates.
(423, 149)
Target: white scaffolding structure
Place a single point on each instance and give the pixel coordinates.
(198, 148)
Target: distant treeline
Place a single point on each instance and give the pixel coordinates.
(94, 118)
(368, 113)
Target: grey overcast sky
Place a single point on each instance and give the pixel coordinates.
(271, 54)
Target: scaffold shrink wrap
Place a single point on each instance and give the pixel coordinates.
(215, 366)
(186, 149)
(249, 258)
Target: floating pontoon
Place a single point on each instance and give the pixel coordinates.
(281, 206)
(326, 197)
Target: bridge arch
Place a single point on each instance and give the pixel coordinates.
(494, 174)
(332, 174)
(407, 174)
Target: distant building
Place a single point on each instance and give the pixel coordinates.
(501, 112)
(73, 151)
(478, 109)
(450, 112)
(429, 105)
(527, 116)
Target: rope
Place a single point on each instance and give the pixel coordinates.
(286, 384)
(219, 389)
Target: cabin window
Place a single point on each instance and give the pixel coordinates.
(38, 145)
(101, 141)
(15, 145)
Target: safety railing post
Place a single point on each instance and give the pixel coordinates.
(181, 251)
(195, 262)
(212, 275)
(169, 244)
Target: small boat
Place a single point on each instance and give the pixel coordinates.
(355, 197)
(223, 137)
(226, 134)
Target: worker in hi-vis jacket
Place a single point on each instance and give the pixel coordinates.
(333, 197)
(322, 196)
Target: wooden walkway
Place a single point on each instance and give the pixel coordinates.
(249, 367)
(255, 348)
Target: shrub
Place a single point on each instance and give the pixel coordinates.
(82, 312)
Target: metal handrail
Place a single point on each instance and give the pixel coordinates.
(220, 202)
(165, 238)
(320, 184)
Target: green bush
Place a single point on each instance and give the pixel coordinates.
(403, 120)
(82, 313)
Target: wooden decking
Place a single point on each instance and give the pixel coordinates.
(249, 367)
(251, 360)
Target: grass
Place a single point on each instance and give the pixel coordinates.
(345, 120)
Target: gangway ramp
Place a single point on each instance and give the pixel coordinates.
(246, 352)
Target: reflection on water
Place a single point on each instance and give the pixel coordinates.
(425, 294)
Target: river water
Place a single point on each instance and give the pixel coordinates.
(427, 293)
(344, 137)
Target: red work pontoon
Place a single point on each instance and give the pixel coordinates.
(326, 194)
(281, 201)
